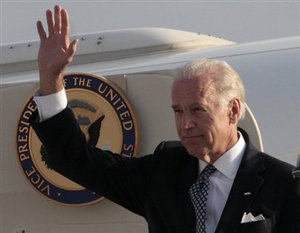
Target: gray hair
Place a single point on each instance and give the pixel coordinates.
(226, 81)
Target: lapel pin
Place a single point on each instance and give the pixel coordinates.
(247, 193)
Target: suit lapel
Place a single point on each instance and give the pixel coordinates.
(174, 202)
(188, 176)
(244, 190)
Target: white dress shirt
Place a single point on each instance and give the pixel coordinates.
(50, 105)
(220, 181)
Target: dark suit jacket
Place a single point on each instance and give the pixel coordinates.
(156, 186)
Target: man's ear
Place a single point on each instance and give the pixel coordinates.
(234, 111)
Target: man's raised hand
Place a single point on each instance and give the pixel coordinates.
(56, 51)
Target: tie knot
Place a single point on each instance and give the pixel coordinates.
(208, 170)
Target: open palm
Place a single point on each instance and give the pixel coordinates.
(56, 51)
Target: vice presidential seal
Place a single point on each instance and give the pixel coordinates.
(100, 108)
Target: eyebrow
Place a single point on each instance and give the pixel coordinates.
(174, 106)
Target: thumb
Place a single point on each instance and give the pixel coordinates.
(72, 49)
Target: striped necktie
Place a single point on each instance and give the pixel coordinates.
(198, 193)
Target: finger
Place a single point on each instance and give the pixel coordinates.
(65, 25)
(50, 23)
(41, 30)
(57, 19)
(72, 49)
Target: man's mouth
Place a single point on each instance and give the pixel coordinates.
(192, 137)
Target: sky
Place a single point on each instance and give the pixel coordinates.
(238, 21)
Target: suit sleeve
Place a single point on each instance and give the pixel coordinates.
(122, 180)
(290, 220)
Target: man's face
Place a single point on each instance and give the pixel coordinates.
(202, 122)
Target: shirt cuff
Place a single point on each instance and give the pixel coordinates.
(50, 105)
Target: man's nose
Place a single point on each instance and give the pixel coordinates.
(188, 122)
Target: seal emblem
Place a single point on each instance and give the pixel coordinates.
(100, 108)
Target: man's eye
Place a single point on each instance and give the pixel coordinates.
(177, 111)
(198, 109)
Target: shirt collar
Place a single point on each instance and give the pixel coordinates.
(229, 162)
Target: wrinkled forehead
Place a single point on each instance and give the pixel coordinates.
(190, 92)
(200, 86)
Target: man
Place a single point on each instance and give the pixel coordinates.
(208, 101)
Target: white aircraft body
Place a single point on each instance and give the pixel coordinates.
(143, 63)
